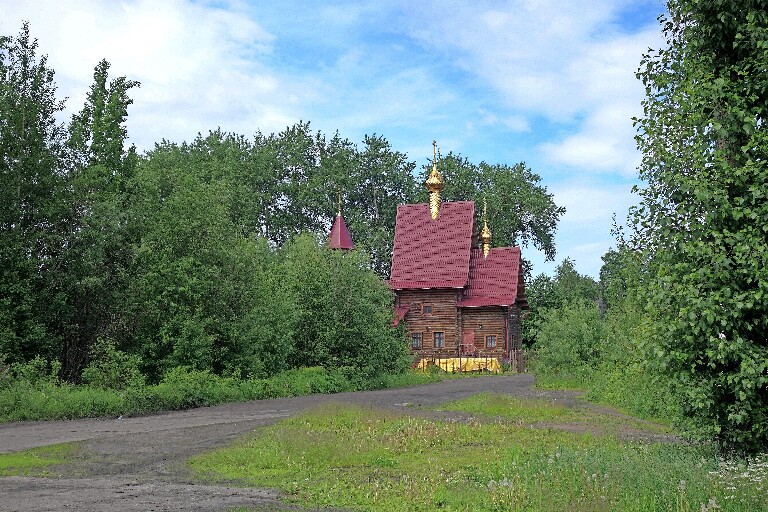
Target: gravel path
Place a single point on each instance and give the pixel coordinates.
(137, 464)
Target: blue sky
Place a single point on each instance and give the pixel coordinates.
(550, 83)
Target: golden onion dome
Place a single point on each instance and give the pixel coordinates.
(434, 184)
(485, 234)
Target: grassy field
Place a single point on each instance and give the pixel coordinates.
(365, 459)
(34, 462)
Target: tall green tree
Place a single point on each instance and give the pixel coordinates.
(343, 311)
(200, 293)
(567, 289)
(703, 219)
(380, 179)
(98, 248)
(287, 183)
(304, 182)
(245, 168)
(32, 201)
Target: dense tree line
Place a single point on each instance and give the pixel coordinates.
(687, 287)
(206, 254)
(701, 229)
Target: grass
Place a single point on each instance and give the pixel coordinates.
(364, 459)
(527, 410)
(34, 462)
(630, 390)
(560, 381)
(21, 400)
(546, 411)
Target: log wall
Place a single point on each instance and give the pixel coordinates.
(443, 318)
(486, 321)
(516, 339)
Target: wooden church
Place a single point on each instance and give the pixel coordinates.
(457, 299)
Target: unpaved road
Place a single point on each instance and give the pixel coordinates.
(137, 464)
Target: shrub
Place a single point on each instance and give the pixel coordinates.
(37, 371)
(110, 368)
(569, 340)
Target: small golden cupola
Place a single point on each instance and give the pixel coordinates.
(434, 184)
(485, 234)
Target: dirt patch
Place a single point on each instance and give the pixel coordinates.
(138, 464)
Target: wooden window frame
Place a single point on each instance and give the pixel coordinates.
(487, 340)
(438, 335)
(416, 336)
(426, 309)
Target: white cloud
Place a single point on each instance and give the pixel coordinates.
(589, 204)
(513, 123)
(603, 143)
(565, 61)
(524, 50)
(611, 95)
(199, 67)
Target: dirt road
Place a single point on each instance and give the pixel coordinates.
(137, 464)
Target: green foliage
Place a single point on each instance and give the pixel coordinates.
(569, 339)
(379, 179)
(32, 205)
(546, 293)
(623, 376)
(580, 345)
(97, 132)
(200, 294)
(258, 318)
(284, 184)
(346, 457)
(39, 395)
(621, 275)
(110, 368)
(37, 371)
(343, 314)
(99, 251)
(703, 217)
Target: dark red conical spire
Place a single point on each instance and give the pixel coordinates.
(340, 237)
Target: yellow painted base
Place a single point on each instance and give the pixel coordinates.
(463, 364)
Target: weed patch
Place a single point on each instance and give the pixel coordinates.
(182, 388)
(34, 462)
(366, 459)
(547, 411)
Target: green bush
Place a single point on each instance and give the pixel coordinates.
(181, 388)
(577, 348)
(110, 368)
(342, 311)
(569, 339)
(36, 371)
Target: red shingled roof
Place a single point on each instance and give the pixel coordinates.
(432, 253)
(493, 281)
(340, 237)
